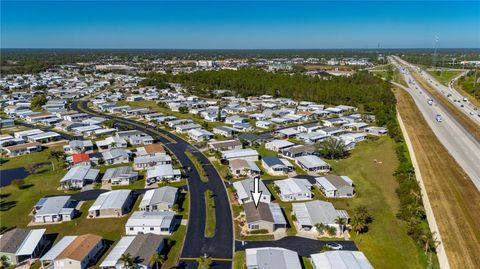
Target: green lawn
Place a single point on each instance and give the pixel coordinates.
(175, 245)
(307, 264)
(444, 76)
(210, 218)
(239, 260)
(28, 159)
(386, 244)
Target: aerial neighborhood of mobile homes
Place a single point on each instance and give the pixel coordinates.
(109, 170)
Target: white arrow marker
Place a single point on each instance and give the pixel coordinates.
(256, 193)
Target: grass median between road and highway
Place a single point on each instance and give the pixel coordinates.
(464, 119)
(210, 218)
(452, 195)
(444, 76)
(198, 166)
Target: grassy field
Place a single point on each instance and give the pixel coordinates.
(198, 166)
(468, 123)
(468, 88)
(28, 159)
(210, 218)
(451, 193)
(382, 71)
(444, 76)
(371, 166)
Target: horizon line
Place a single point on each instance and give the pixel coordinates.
(245, 49)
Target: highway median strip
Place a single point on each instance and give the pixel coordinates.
(198, 166)
(210, 218)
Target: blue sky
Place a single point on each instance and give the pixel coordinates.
(239, 25)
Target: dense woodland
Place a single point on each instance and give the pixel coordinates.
(362, 89)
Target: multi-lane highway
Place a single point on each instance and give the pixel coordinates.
(463, 147)
(452, 95)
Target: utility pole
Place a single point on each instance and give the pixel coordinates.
(434, 63)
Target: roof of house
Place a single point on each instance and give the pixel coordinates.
(119, 249)
(80, 143)
(161, 219)
(313, 212)
(244, 187)
(333, 182)
(237, 153)
(165, 194)
(260, 213)
(279, 143)
(341, 259)
(21, 241)
(293, 186)
(272, 161)
(111, 199)
(243, 164)
(114, 153)
(80, 247)
(53, 205)
(80, 157)
(144, 246)
(80, 173)
(154, 148)
(152, 159)
(161, 170)
(300, 148)
(22, 146)
(272, 258)
(12, 240)
(122, 171)
(311, 161)
(225, 143)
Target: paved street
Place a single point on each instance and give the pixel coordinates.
(196, 245)
(304, 246)
(456, 139)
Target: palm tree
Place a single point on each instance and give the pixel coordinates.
(56, 155)
(127, 260)
(204, 262)
(341, 222)
(4, 262)
(320, 228)
(157, 260)
(358, 224)
(331, 148)
(165, 181)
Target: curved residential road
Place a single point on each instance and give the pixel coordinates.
(219, 247)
